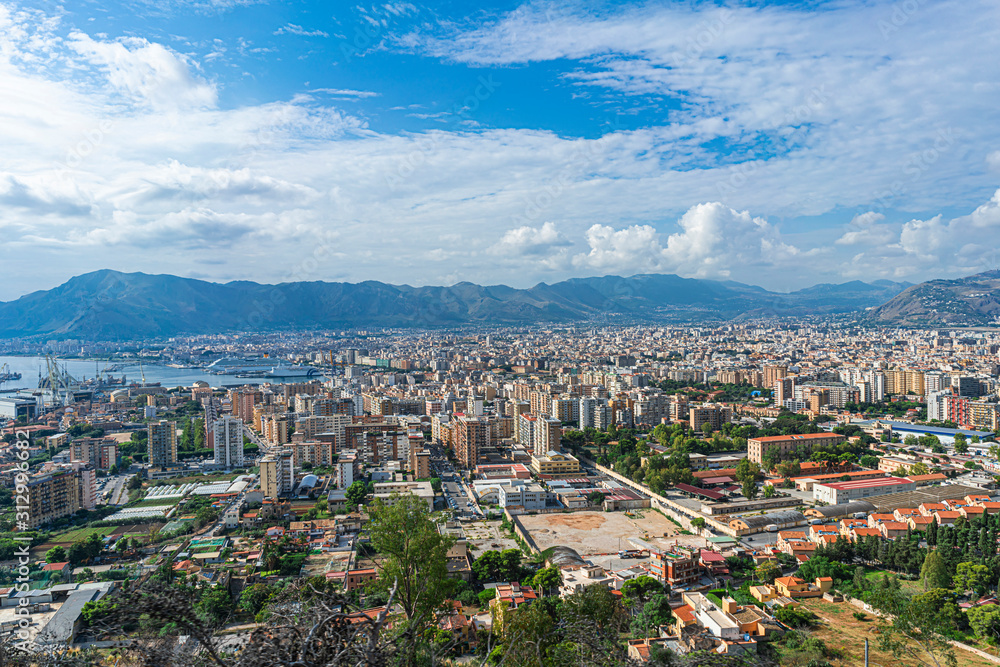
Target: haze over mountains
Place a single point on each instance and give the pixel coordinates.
(109, 305)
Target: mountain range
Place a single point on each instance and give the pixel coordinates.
(970, 301)
(110, 305)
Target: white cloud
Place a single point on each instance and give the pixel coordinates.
(530, 240)
(146, 71)
(713, 241)
(633, 249)
(864, 229)
(118, 153)
(345, 92)
(935, 246)
(716, 239)
(293, 29)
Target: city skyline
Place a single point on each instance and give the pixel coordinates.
(782, 145)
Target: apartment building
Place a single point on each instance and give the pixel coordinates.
(713, 415)
(314, 452)
(420, 462)
(102, 454)
(227, 437)
(676, 568)
(389, 492)
(57, 494)
(470, 435)
(162, 443)
(787, 446)
(547, 436)
(275, 429)
(277, 474)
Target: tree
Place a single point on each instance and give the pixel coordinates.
(768, 571)
(910, 628)
(919, 468)
(985, 622)
(215, 605)
(498, 566)
(547, 580)
(934, 573)
(971, 577)
(787, 469)
(412, 556)
(655, 612)
(961, 444)
(698, 522)
(55, 555)
(747, 470)
(770, 491)
(640, 590)
(356, 494)
(796, 618)
(771, 459)
(595, 497)
(750, 489)
(85, 549)
(596, 606)
(253, 598)
(821, 566)
(869, 461)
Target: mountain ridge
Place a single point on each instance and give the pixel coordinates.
(112, 305)
(970, 301)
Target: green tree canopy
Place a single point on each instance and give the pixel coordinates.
(411, 555)
(56, 554)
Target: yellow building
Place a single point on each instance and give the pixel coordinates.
(555, 463)
(52, 496)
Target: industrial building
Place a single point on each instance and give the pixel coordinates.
(841, 492)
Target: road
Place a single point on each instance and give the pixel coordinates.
(117, 491)
(457, 494)
(256, 439)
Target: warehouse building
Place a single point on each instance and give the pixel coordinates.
(835, 493)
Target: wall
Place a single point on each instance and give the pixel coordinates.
(681, 514)
(521, 532)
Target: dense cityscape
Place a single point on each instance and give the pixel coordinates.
(677, 490)
(513, 333)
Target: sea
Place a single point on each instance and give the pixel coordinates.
(31, 368)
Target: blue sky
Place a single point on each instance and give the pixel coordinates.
(776, 143)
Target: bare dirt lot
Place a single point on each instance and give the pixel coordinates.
(486, 536)
(603, 532)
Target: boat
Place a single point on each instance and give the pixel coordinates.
(4, 377)
(282, 371)
(235, 366)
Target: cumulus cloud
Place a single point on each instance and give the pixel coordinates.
(960, 246)
(864, 229)
(146, 71)
(530, 240)
(714, 239)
